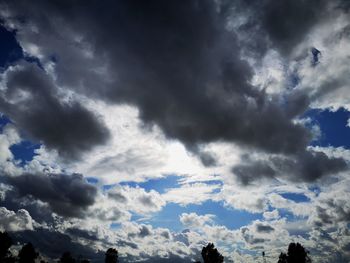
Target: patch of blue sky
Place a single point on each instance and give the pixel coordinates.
(297, 198)
(107, 187)
(333, 125)
(285, 213)
(34, 60)
(115, 226)
(92, 180)
(24, 151)
(3, 122)
(315, 189)
(10, 49)
(160, 184)
(168, 217)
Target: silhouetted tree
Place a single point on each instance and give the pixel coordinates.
(27, 254)
(111, 255)
(296, 254)
(67, 258)
(282, 258)
(211, 255)
(5, 244)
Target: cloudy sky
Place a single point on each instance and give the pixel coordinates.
(158, 126)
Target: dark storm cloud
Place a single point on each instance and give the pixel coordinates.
(174, 60)
(12, 200)
(67, 195)
(287, 22)
(247, 173)
(281, 25)
(31, 102)
(178, 63)
(306, 166)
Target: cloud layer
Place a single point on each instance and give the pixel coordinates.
(159, 124)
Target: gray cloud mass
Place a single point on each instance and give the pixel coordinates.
(67, 195)
(188, 79)
(31, 102)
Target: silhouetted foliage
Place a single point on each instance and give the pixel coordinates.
(111, 256)
(282, 258)
(67, 258)
(296, 254)
(27, 254)
(5, 244)
(211, 255)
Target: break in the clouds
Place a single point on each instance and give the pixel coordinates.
(159, 126)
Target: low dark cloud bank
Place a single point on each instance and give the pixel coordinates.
(66, 195)
(177, 61)
(307, 166)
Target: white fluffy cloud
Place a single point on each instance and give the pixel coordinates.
(15, 221)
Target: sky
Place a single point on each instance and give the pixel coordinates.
(157, 126)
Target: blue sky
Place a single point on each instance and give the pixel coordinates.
(153, 131)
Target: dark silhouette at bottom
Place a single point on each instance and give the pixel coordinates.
(211, 255)
(296, 254)
(111, 255)
(27, 254)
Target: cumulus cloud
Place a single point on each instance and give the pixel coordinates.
(191, 193)
(270, 215)
(195, 221)
(136, 199)
(15, 221)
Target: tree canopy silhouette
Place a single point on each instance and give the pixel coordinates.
(296, 254)
(5, 244)
(111, 255)
(211, 255)
(27, 254)
(67, 258)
